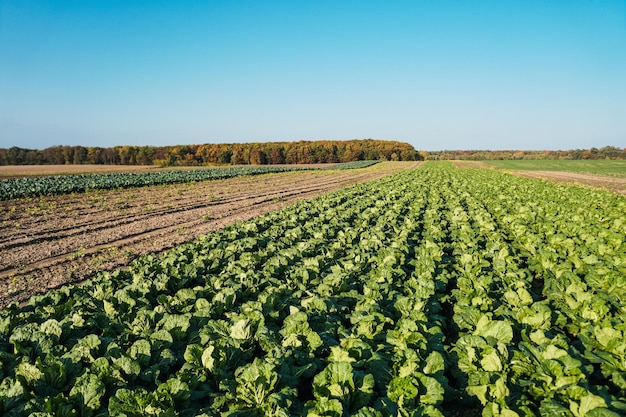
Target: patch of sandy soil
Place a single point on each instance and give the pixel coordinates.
(51, 241)
(617, 185)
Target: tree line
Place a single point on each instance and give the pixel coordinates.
(267, 153)
(302, 152)
(607, 152)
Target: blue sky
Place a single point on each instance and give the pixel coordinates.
(437, 74)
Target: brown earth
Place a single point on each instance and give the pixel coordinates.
(50, 241)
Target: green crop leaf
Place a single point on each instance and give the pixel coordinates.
(88, 392)
(551, 408)
(326, 407)
(491, 362)
(606, 335)
(296, 330)
(364, 391)
(587, 403)
(141, 352)
(434, 391)
(193, 354)
(499, 390)
(52, 328)
(538, 316)
(379, 366)
(486, 392)
(434, 363)
(590, 260)
(338, 354)
(314, 340)
(501, 331)
(335, 381)
(12, 395)
(367, 412)
(255, 382)
(162, 336)
(29, 372)
(524, 296)
(207, 359)
(553, 352)
(401, 390)
(175, 324)
(137, 403)
(176, 389)
(129, 367)
(602, 412)
(518, 298)
(109, 309)
(479, 391)
(240, 330)
(496, 410)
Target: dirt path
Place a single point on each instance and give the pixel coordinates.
(50, 241)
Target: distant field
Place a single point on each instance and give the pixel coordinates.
(32, 186)
(612, 168)
(16, 171)
(10, 171)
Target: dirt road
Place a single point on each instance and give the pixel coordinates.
(50, 241)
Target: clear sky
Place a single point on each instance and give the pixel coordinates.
(437, 74)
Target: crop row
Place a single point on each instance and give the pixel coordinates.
(78, 183)
(435, 292)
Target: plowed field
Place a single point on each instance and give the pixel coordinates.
(50, 241)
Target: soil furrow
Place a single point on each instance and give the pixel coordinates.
(89, 239)
(42, 227)
(11, 242)
(146, 234)
(125, 230)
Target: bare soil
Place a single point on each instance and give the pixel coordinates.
(51, 241)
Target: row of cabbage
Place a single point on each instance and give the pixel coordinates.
(427, 293)
(78, 183)
(540, 296)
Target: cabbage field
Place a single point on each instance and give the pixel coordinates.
(32, 186)
(434, 292)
